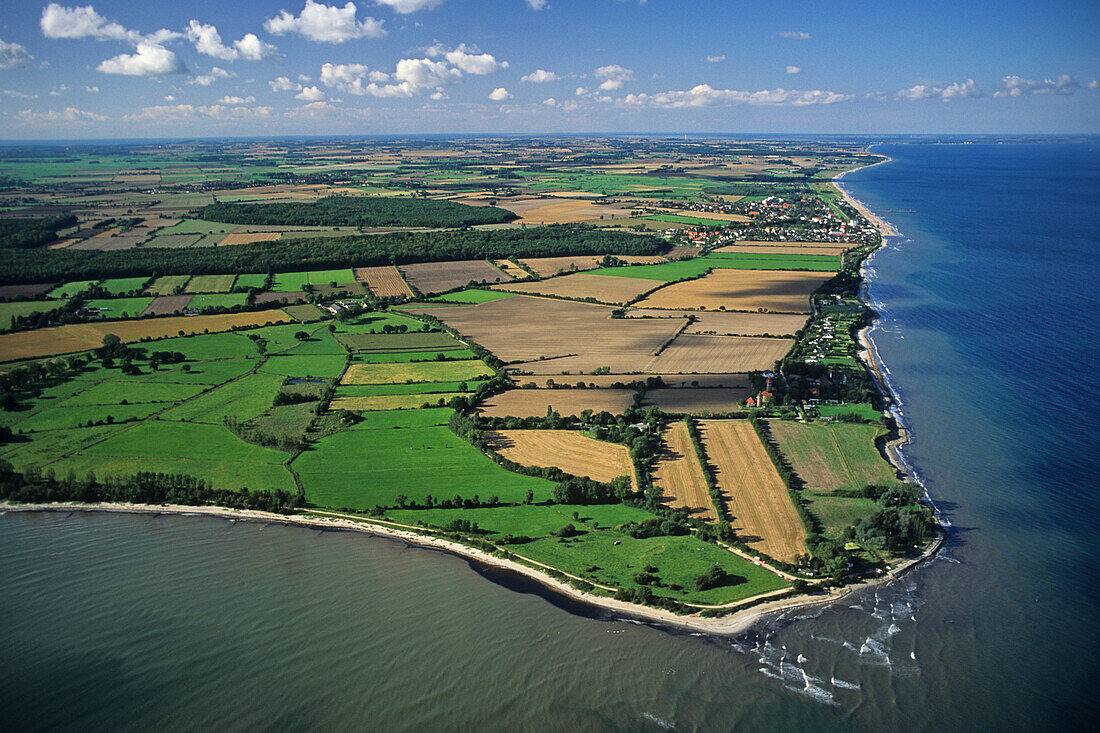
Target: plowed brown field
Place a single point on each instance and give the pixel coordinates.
(385, 282)
(763, 515)
(533, 402)
(581, 285)
(438, 277)
(727, 323)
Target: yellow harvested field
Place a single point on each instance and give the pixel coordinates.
(604, 381)
(83, 336)
(581, 285)
(557, 210)
(511, 268)
(782, 291)
(523, 328)
(729, 323)
(384, 281)
(707, 354)
(248, 238)
(391, 401)
(679, 476)
(764, 517)
(534, 402)
(416, 372)
(550, 266)
(565, 449)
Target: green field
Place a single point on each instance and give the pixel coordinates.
(305, 312)
(752, 261)
(396, 419)
(345, 470)
(218, 300)
(250, 280)
(167, 285)
(25, 308)
(863, 409)
(123, 285)
(847, 450)
(120, 307)
(535, 520)
(687, 269)
(68, 290)
(210, 284)
(692, 220)
(241, 399)
(834, 513)
(287, 282)
(471, 295)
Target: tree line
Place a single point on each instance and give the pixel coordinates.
(29, 233)
(358, 211)
(395, 248)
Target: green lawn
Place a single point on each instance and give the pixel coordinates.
(863, 409)
(358, 469)
(120, 307)
(122, 285)
(184, 441)
(472, 295)
(286, 282)
(243, 399)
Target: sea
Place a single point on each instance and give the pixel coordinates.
(989, 333)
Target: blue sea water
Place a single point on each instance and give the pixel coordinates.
(990, 333)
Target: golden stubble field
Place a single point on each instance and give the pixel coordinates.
(565, 449)
(566, 402)
(679, 476)
(581, 285)
(384, 281)
(84, 336)
(764, 516)
(782, 291)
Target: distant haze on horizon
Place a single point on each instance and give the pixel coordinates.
(298, 67)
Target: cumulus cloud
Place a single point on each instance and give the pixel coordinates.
(18, 94)
(499, 94)
(704, 95)
(325, 23)
(82, 22)
(716, 59)
(1017, 86)
(91, 89)
(174, 113)
(613, 77)
(550, 102)
(536, 4)
(310, 94)
(13, 55)
(958, 90)
(468, 59)
(1093, 84)
(149, 59)
(410, 6)
(236, 100)
(795, 35)
(205, 80)
(208, 41)
(283, 84)
(540, 76)
(69, 114)
(581, 91)
(794, 69)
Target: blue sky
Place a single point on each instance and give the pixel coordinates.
(261, 67)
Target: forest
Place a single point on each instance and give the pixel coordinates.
(358, 211)
(45, 265)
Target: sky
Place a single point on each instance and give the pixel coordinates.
(116, 69)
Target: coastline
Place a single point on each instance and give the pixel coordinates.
(756, 608)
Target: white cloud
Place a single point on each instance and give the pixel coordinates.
(410, 6)
(283, 84)
(425, 72)
(581, 91)
(499, 94)
(345, 77)
(536, 4)
(325, 23)
(957, 90)
(1016, 86)
(716, 59)
(150, 59)
(173, 113)
(794, 69)
(236, 100)
(13, 55)
(1093, 84)
(69, 114)
(91, 89)
(208, 41)
(19, 95)
(58, 90)
(85, 22)
(550, 102)
(205, 80)
(540, 76)
(704, 95)
(469, 60)
(613, 77)
(310, 94)
(795, 35)
(169, 98)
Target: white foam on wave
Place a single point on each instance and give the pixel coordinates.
(844, 684)
(658, 720)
